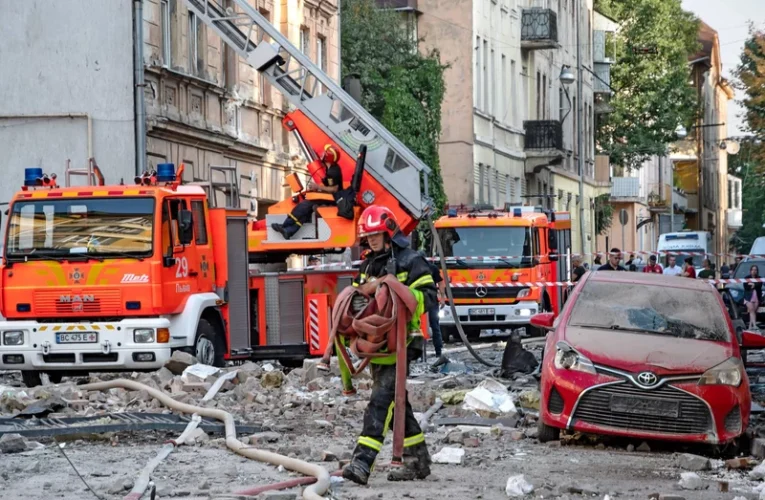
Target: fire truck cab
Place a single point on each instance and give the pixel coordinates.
(488, 250)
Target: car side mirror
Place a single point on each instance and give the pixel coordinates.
(751, 340)
(543, 320)
(185, 227)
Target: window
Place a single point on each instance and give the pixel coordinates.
(508, 190)
(305, 41)
(512, 91)
(486, 96)
(477, 73)
(488, 241)
(504, 91)
(164, 13)
(544, 96)
(170, 220)
(321, 53)
(539, 94)
(575, 123)
(96, 226)
(193, 43)
(493, 86)
(200, 223)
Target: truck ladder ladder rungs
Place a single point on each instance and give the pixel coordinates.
(333, 110)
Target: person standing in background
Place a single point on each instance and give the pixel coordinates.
(688, 270)
(578, 269)
(653, 266)
(707, 272)
(672, 268)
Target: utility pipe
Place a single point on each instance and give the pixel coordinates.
(291, 483)
(313, 492)
(138, 86)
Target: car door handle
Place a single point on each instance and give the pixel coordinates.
(193, 273)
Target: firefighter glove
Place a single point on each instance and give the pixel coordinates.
(359, 302)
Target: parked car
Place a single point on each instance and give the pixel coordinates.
(737, 289)
(645, 356)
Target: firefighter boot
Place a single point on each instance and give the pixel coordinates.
(361, 465)
(416, 464)
(287, 230)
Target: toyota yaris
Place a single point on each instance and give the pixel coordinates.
(644, 356)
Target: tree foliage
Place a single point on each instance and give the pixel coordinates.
(749, 163)
(604, 213)
(401, 87)
(650, 78)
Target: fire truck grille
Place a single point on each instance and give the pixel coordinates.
(490, 292)
(102, 301)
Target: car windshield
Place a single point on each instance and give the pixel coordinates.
(651, 309)
(512, 243)
(743, 268)
(94, 226)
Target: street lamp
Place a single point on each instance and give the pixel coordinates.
(680, 132)
(566, 78)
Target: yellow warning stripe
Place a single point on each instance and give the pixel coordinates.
(82, 328)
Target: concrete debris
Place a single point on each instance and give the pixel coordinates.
(120, 485)
(272, 380)
(665, 496)
(758, 447)
(179, 361)
(691, 462)
(758, 472)
(198, 372)
(453, 456)
(453, 397)
(490, 399)
(517, 487)
(12, 443)
(738, 463)
(644, 448)
(691, 481)
(529, 399)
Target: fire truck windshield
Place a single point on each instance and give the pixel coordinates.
(512, 244)
(101, 227)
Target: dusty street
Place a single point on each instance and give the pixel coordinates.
(305, 416)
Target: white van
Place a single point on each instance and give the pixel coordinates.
(758, 247)
(697, 242)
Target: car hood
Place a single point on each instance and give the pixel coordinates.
(636, 352)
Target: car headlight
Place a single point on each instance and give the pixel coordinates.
(15, 337)
(441, 313)
(525, 292)
(143, 335)
(729, 372)
(566, 358)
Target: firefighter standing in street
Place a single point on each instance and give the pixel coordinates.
(330, 184)
(390, 254)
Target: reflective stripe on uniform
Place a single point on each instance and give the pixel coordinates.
(296, 221)
(402, 277)
(414, 440)
(422, 280)
(388, 418)
(370, 443)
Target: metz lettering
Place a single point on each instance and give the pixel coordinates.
(182, 287)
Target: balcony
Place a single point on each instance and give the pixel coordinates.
(539, 29)
(399, 5)
(625, 189)
(659, 196)
(543, 135)
(734, 218)
(602, 80)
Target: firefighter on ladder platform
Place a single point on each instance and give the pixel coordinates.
(330, 184)
(390, 254)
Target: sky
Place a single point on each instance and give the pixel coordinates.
(730, 18)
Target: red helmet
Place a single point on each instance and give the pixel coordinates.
(377, 219)
(330, 155)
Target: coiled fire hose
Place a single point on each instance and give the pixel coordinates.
(379, 330)
(312, 492)
(450, 296)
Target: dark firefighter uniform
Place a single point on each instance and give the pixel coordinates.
(301, 214)
(412, 270)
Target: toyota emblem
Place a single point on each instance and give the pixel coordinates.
(647, 379)
(481, 292)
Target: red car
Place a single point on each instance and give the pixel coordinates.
(644, 356)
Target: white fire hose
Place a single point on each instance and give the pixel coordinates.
(312, 492)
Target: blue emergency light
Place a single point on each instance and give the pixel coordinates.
(517, 211)
(452, 212)
(32, 176)
(166, 172)
(690, 236)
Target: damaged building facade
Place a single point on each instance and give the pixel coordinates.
(72, 95)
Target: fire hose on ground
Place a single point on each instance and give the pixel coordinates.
(450, 297)
(312, 492)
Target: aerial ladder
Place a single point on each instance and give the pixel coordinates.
(387, 172)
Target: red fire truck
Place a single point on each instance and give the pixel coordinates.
(116, 277)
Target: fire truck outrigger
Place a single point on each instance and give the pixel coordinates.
(116, 277)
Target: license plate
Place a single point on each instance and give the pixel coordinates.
(76, 338)
(645, 406)
(481, 312)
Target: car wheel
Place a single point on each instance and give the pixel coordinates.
(55, 377)
(31, 378)
(209, 345)
(546, 433)
(472, 333)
